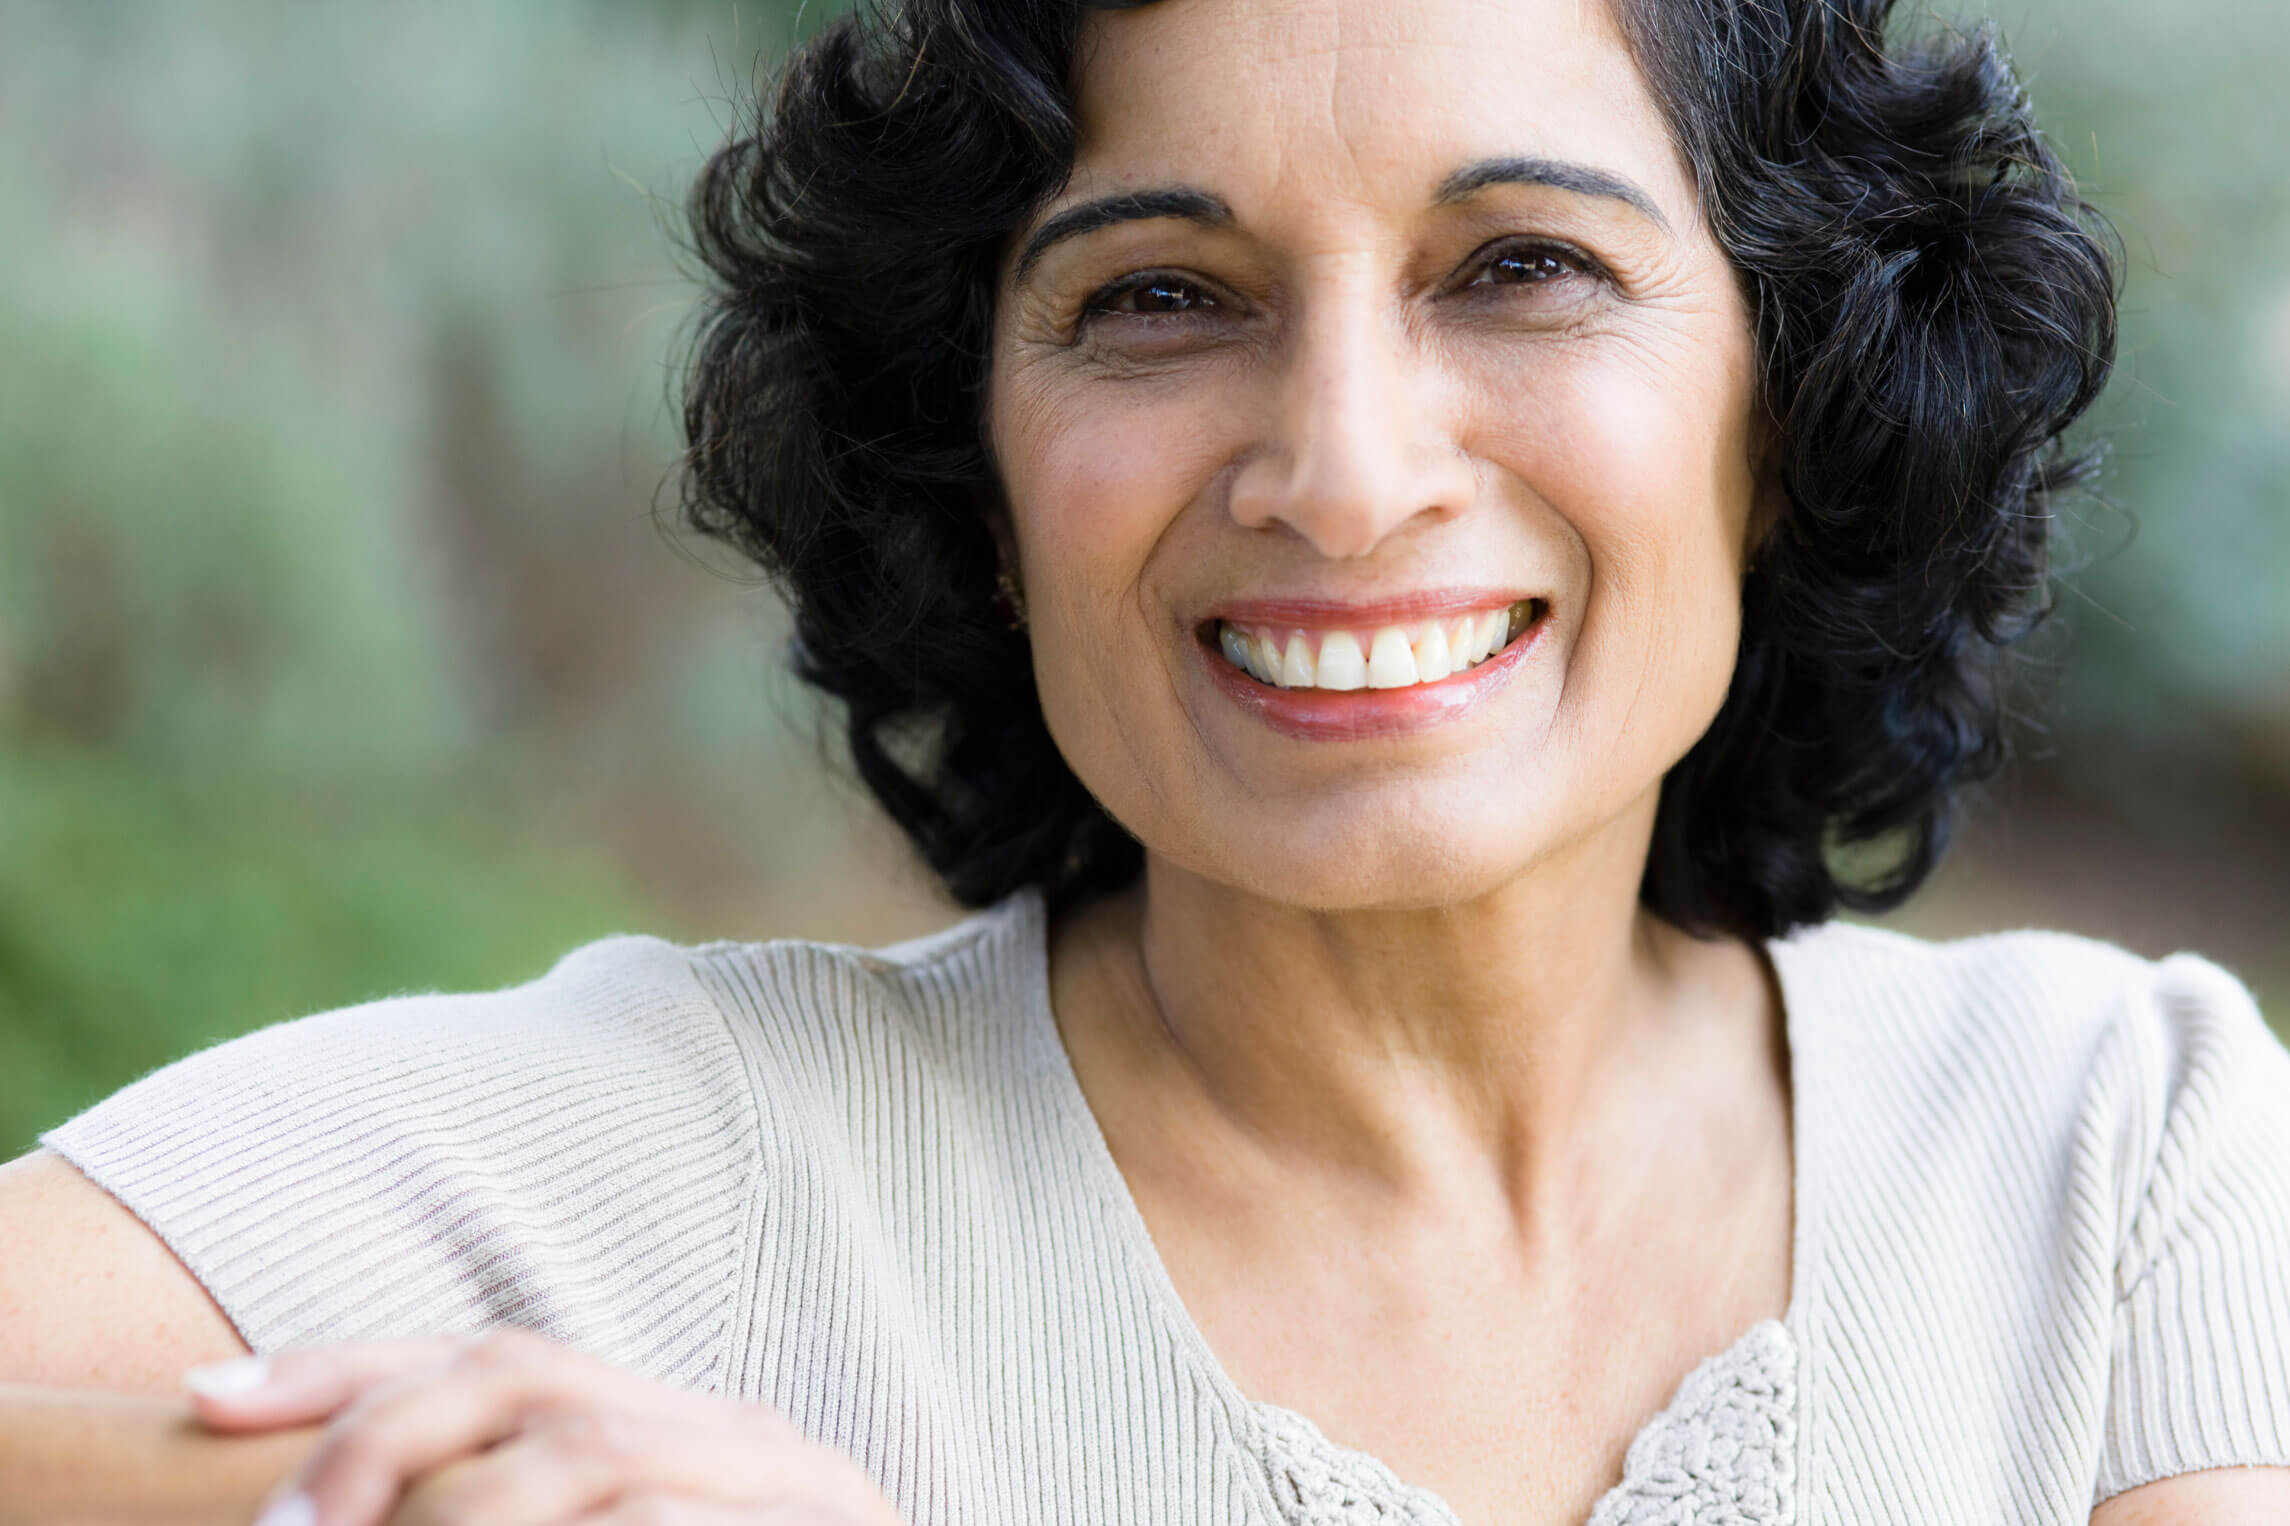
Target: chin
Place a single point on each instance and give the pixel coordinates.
(1353, 860)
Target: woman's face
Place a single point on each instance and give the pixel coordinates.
(1369, 336)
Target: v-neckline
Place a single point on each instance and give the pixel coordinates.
(1256, 1417)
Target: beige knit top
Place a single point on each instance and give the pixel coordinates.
(2042, 1228)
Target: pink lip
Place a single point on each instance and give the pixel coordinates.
(1358, 715)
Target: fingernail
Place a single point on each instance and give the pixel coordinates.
(294, 1510)
(225, 1380)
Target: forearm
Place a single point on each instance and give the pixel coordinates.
(74, 1458)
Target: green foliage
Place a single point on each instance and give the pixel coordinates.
(329, 600)
(143, 916)
(2173, 118)
(183, 573)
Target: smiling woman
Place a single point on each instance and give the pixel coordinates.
(1929, 308)
(1399, 374)
(1410, 554)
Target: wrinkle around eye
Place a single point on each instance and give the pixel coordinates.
(1113, 312)
(1213, 323)
(1569, 302)
(1135, 286)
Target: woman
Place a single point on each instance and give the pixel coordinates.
(1411, 553)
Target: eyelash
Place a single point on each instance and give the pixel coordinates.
(1101, 303)
(1534, 249)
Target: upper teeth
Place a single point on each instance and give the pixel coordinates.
(1385, 657)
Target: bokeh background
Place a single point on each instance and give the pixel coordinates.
(343, 652)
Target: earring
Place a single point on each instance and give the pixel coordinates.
(1010, 599)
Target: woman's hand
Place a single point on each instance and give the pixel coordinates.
(512, 1429)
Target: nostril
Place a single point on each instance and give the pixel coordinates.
(1347, 501)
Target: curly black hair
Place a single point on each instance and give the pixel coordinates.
(1934, 306)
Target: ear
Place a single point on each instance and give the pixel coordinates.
(994, 512)
(1009, 588)
(993, 505)
(1769, 503)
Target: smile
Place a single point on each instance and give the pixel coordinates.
(1396, 656)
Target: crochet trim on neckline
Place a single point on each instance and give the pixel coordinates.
(1724, 1453)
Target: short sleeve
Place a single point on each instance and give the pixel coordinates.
(2200, 1372)
(575, 1155)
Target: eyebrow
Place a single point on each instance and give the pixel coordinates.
(1129, 206)
(1559, 175)
(1211, 211)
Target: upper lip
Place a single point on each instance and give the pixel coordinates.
(1309, 613)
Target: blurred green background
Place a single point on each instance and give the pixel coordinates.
(342, 653)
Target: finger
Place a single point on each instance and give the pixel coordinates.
(485, 1392)
(667, 1510)
(400, 1429)
(302, 1385)
(660, 1510)
(563, 1463)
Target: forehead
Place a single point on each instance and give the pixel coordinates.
(1361, 100)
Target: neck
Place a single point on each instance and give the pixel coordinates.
(1402, 1051)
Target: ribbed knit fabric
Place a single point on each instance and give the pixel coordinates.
(2042, 1228)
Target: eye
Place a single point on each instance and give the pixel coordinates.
(1531, 265)
(1154, 294)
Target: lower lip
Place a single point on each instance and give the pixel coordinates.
(1360, 715)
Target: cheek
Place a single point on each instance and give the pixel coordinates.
(1093, 474)
(1095, 478)
(1645, 459)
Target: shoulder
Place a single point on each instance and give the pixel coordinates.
(441, 1163)
(627, 1028)
(818, 1018)
(2046, 978)
(582, 1153)
(2039, 1033)
(846, 1045)
(585, 1153)
(2051, 1006)
(621, 1025)
(2043, 1165)
(930, 989)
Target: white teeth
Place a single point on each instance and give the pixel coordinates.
(1432, 660)
(1296, 665)
(1342, 666)
(1494, 627)
(1248, 655)
(1391, 662)
(1393, 657)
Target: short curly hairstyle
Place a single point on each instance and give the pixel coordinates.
(1934, 305)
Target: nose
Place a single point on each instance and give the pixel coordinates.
(1356, 446)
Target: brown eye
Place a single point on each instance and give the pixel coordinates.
(1152, 296)
(1526, 267)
